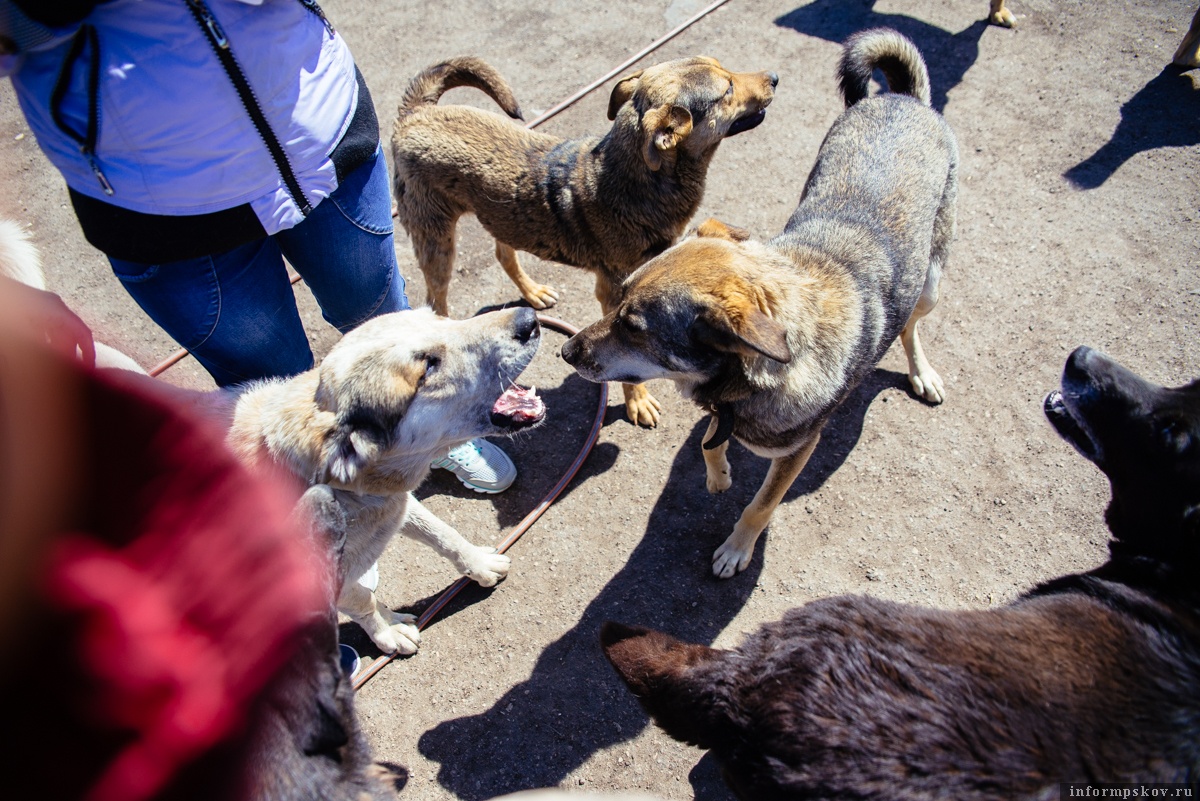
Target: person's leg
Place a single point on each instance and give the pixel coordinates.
(344, 249)
(235, 311)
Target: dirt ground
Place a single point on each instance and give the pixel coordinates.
(1078, 223)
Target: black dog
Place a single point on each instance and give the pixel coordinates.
(1088, 678)
(306, 743)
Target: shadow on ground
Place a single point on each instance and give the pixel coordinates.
(667, 583)
(948, 55)
(1164, 113)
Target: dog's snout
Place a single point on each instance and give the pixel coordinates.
(773, 77)
(570, 351)
(525, 326)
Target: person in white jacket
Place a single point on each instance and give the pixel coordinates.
(202, 143)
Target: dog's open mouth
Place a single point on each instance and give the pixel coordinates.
(746, 123)
(1064, 422)
(518, 408)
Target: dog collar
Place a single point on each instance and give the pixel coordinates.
(724, 415)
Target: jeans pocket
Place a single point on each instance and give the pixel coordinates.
(132, 273)
(365, 197)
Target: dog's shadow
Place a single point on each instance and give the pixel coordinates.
(947, 55)
(1164, 113)
(573, 705)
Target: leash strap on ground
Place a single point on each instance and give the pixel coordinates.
(529, 519)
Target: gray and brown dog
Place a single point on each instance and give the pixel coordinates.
(606, 204)
(772, 338)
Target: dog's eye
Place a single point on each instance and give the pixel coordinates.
(729, 91)
(633, 322)
(1175, 436)
(432, 363)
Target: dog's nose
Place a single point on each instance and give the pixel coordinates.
(525, 326)
(773, 78)
(570, 351)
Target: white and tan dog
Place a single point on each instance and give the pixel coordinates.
(392, 396)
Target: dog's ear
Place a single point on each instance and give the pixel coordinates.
(715, 228)
(351, 448)
(672, 680)
(664, 128)
(755, 333)
(622, 92)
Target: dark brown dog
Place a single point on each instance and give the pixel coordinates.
(1087, 678)
(770, 339)
(606, 204)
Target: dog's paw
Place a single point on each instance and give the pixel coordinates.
(488, 567)
(928, 384)
(730, 559)
(643, 409)
(1004, 18)
(540, 296)
(718, 481)
(401, 637)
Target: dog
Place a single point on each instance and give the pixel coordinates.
(1087, 678)
(771, 338)
(606, 204)
(305, 741)
(391, 396)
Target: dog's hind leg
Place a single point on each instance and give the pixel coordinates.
(539, 296)
(999, 15)
(735, 553)
(434, 249)
(926, 383)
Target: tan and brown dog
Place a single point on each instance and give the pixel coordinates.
(606, 204)
(772, 338)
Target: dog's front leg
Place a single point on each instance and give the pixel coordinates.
(391, 632)
(483, 565)
(718, 476)
(642, 408)
(734, 554)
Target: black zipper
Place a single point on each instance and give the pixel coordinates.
(220, 44)
(86, 141)
(312, 6)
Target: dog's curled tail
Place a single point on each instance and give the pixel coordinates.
(429, 85)
(890, 52)
(19, 259)
(676, 682)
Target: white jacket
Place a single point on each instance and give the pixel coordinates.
(164, 157)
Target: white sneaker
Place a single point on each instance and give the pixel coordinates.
(480, 465)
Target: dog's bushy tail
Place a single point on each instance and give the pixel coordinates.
(890, 52)
(19, 259)
(677, 683)
(429, 86)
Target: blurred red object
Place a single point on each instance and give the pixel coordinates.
(155, 608)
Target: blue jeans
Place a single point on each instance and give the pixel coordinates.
(236, 311)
